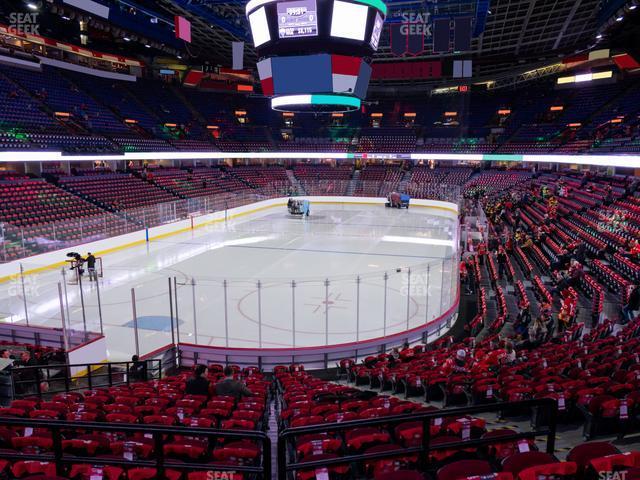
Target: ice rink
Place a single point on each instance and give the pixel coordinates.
(346, 273)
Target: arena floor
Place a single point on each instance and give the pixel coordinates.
(260, 256)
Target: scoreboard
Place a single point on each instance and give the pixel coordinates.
(316, 53)
(297, 19)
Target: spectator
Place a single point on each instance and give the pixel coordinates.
(633, 304)
(567, 311)
(471, 275)
(231, 387)
(198, 384)
(482, 252)
(524, 315)
(537, 332)
(510, 354)
(6, 393)
(571, 278)
(634, 249)
(458, 364)
(27, 378)
(138, 369)
(508, 243)
(579, 252)
(464, 276)
(502, 261)
(394, 358)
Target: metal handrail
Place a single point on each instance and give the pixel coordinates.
(159, 433)
(284, 467)
(152, 370)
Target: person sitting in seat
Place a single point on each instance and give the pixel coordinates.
(456, 365)
(231, 387)
(198, 384)
(568, 278)
(510, 356)
(394, 358)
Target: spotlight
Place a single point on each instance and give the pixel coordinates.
(620, 18)
(32, 6)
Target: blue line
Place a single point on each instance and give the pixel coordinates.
(329, 251)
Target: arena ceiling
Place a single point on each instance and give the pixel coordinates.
(515, 31)
(510, 36)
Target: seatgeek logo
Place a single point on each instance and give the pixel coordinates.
(28, 284)
(24, 23)
(609, 475)
(231, 475)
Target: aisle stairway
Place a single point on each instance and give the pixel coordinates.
(406, 178)
(353, 183)
(295, 182)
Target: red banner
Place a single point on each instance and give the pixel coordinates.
(406, 70)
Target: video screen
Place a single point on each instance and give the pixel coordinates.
(349, 20)
(297, 19)
(377, 31)
(259, 27)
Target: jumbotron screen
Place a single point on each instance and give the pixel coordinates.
(346, 27)
(297, 19)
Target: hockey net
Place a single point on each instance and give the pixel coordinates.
(73, 278)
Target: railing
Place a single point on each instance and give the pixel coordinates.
(14, 333)
(20, 242)
(267, 312)
(29, 381)
(321, 357)
(158, 434)
(368, 188)
(422, 451)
